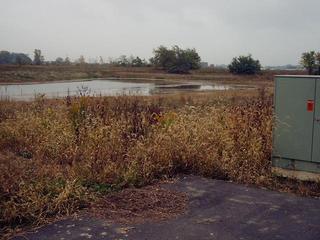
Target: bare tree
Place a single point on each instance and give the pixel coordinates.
(82, 60)
(38, 58)
(101, 61)
(67, 61)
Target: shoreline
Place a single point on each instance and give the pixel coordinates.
(120, 79)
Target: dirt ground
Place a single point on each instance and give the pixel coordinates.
(136, 205)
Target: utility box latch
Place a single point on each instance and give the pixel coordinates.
(310, 105)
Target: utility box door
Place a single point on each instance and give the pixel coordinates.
(293, 133)
(316, 134)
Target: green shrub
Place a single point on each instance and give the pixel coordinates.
(176, 60)
(244, 65)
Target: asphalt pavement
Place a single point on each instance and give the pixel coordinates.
(216, 210)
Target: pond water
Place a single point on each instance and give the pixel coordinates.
(102, 87)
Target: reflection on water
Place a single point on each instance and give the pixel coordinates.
(100, 87)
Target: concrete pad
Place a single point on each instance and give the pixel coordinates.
(217, 210)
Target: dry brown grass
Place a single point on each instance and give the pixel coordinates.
(58, 155)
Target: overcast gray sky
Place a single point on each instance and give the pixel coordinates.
(274, 31)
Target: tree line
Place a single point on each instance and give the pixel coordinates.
(172, 60)
(14, 58)
(21, 58)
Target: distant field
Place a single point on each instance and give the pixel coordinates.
(13, 74)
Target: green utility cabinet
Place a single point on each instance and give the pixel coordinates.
(296, 136)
